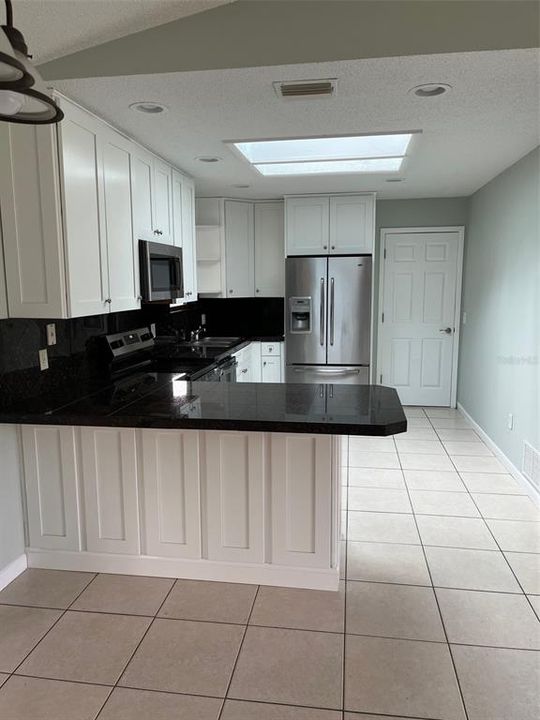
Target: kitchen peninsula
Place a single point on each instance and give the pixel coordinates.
(237, 482)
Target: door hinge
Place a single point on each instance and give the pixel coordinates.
(382, 318)
(380, 378)
(384, 254)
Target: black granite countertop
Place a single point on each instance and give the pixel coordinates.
(172, 402)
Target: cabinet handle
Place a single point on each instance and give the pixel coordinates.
(158, 232)
(245, 370)
(139, 297)
(108, 300)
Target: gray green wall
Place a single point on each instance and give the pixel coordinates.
(413, 213)
(500, 342)
(11, 516)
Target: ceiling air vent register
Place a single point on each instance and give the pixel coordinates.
(306, 88)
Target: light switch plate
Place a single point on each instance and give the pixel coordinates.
(43, 359)
(51, 334)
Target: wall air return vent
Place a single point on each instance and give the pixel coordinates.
(306, 88)
(531, 464)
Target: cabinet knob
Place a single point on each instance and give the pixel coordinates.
(245, 370)
(158, 232)
(333, 247)
(108, 300)
(257, 290)
(325, 247)
(230, 291)
(139, 297)
(264, 363)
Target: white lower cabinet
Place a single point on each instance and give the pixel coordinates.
(271, 369)
(302, 479)
(235, 477)
(109, 477)
(50, 469)
(171, 487)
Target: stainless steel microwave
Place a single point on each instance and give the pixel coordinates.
(161, 271)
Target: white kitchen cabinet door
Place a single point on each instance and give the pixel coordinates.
(109, 472)
(122, 260)
(32, 221)
(302, 497)
(269, 250)
(171, 481)
(307, 225)
(239, 249)
(189, 241)
(235, 473)
(142, 183)
(50, 473)
(271, 369)
(80, 137)
(162, 197)
(352, 224)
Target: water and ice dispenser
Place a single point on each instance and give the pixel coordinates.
(300, 315)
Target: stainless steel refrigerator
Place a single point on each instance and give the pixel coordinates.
(328, 319)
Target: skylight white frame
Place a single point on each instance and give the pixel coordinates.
(231, 144)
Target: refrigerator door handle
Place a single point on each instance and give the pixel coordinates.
(331, 311)
(328, 371)
(322, 310)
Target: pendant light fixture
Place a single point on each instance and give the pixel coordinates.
(23, 96)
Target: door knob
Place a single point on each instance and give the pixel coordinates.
(447, 330)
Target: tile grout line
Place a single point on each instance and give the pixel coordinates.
(435, 594)
(345, 581)
(113, 688)
(246, 626)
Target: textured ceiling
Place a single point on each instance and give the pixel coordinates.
(488, 121)
(53, 28)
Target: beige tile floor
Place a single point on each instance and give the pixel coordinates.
(437, 616)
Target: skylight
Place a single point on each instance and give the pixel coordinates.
(330, 155)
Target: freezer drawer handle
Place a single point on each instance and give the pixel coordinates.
(329, 371)
(322, 311)
(332, 311)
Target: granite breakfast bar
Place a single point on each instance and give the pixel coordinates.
(212, 481)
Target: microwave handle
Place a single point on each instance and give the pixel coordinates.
(178, 284)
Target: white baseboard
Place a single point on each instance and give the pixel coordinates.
(13, 570)
(201, 569)
(528, 487)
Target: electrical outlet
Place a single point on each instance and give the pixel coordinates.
(510, 421)
(43, 359)
(51, 334)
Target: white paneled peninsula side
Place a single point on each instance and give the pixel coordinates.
(208, 481)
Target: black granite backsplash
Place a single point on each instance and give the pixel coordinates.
(72, 361)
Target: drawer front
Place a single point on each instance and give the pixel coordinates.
(270, 348)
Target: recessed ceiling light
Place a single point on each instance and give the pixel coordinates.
(326, 155)
(148, 107)
(240, 185)
(394, 179)
(430, 90)
(208, 158)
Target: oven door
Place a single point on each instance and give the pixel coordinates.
(161, 271)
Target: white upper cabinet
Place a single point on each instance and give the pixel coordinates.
(306, 225)
(189, 246)
(142, 169)
(162, 196)
(80, 149)
(269, 250)
(76, 198)
(352, 224)
(121, 249)
(239, 247)
(32, 221)
(330, 225)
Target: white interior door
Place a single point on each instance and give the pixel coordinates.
(419, 313)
